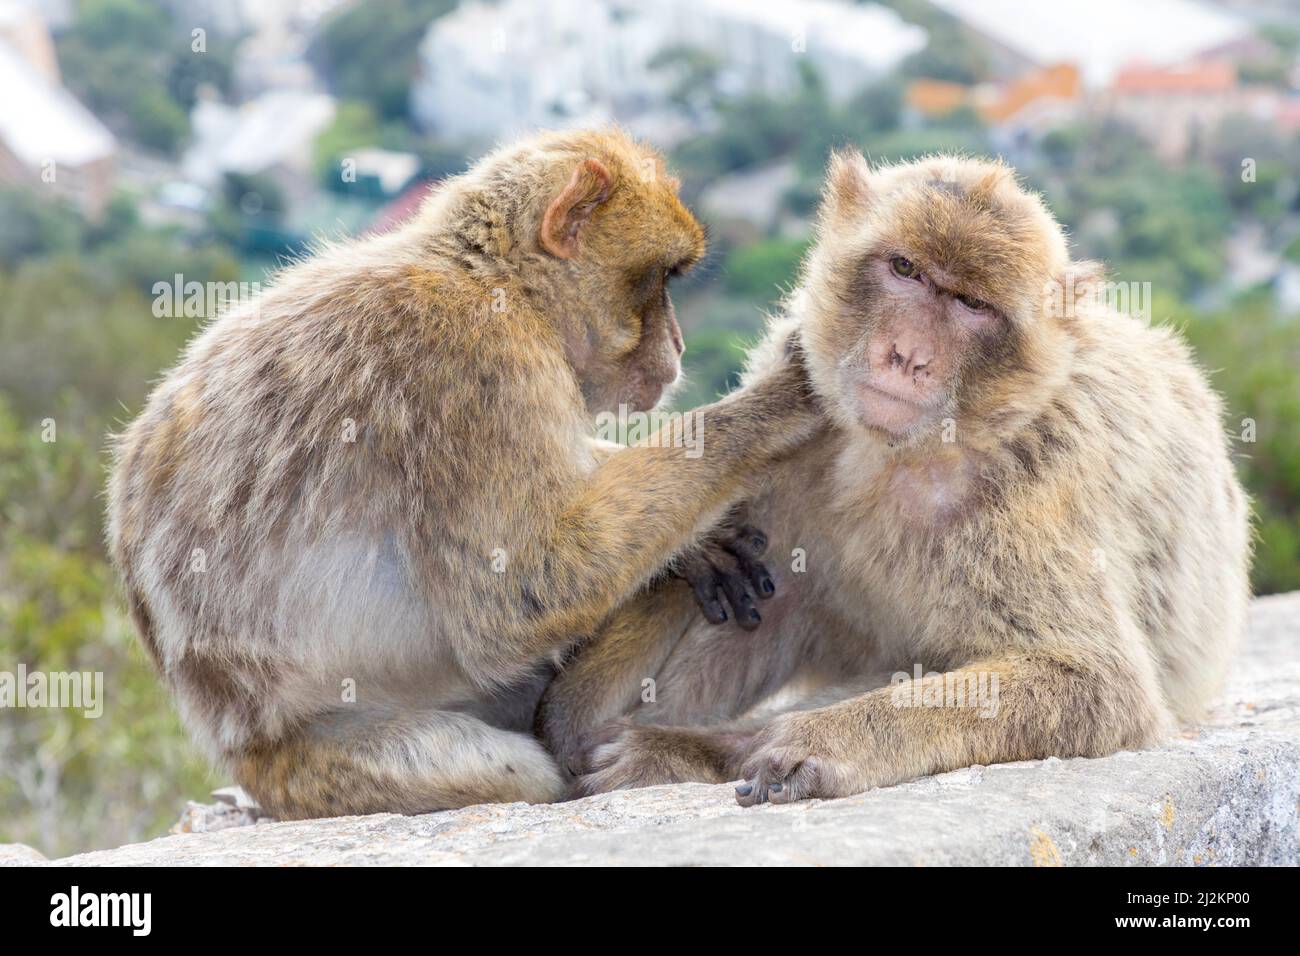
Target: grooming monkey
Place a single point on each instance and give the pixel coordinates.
(359, 526)
(1024, 494)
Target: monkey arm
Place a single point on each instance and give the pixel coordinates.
(1028, 705)
(727, 565)
(640, 506)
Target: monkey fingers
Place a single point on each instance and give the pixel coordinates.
(779, 775)
(747, 544)
(786, 764)
(731, 566)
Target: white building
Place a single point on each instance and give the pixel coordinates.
(273, 134)
(48, 139)
(491, 70)
(1100, 37)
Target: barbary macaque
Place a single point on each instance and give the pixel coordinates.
(1021, 536)
(364, 517)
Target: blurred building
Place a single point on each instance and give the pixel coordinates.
(1024, 107)
(1101, 37)
(490, 70)
(272, 135)
(1173, 108)
(48, 139)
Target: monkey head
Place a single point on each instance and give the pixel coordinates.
(591, 223)
(924, 295)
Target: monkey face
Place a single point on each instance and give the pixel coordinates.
(636, 360)
(623, 235)
(926, 287)
(916, 341)
(654, 364)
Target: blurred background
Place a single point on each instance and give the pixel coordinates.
(177, 141)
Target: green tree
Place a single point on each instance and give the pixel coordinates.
(79, 347)
(132, 63)
(1252, 355)
(369, 51)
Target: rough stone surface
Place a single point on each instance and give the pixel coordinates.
(1225, 793)
(233, 808)
(12, 854)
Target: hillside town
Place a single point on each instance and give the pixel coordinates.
(269, 109)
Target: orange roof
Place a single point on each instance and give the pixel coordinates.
(1058, 82)
(1211, 76)
(935, 97)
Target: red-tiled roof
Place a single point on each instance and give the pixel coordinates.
(1212, 76)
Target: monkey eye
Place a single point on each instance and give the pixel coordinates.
(904, 267)
(972, 303)
(679, 268)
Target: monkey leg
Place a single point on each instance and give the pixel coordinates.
(399, 762)
(613, 671)
(660, 696)
(646, 755)
(1017, 707)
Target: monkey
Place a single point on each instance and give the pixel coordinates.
(364, 516)
(1020, 536)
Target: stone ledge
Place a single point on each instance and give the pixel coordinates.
(1225, 793)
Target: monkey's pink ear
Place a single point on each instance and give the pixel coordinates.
(569, 211)
(848, 188)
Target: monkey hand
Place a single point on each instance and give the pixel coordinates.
(727, 566)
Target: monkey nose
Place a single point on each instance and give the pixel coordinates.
(908, 359)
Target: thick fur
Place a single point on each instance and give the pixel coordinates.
(362, 519)
(1084, 537)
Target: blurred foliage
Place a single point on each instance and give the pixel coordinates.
(1253, 358)
(133, 64)
(369, 51)
(79, 346)
(764, 269)
(357, 126)
(952, 53)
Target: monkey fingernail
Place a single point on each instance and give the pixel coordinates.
(775, 788)
(768, 587)
(744, 790)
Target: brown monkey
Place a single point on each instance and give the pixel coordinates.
(359, 522)
(1022, 536)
